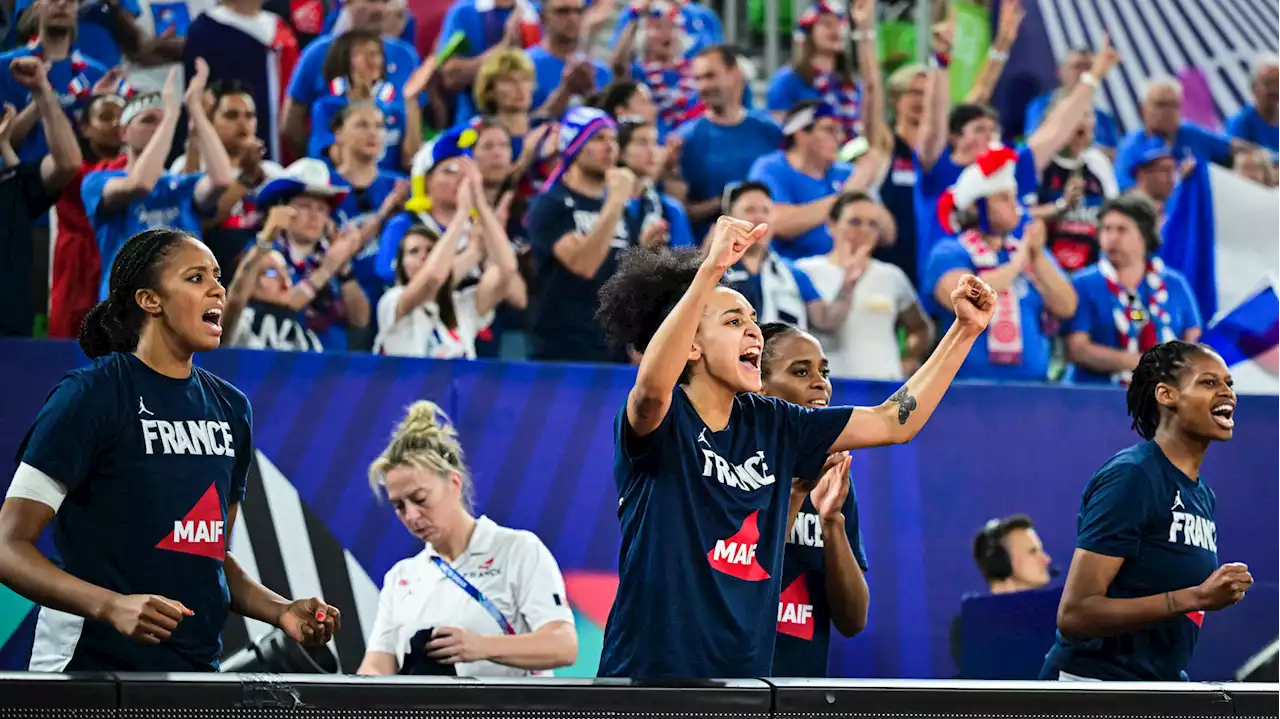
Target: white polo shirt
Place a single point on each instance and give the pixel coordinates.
(512, 567)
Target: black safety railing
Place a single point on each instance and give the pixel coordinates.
(229, 696)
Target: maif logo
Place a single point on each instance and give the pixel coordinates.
(201, 531)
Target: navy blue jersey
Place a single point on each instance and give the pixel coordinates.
(150, 464)
(1142, 508)
(703, 516)
(804, 616)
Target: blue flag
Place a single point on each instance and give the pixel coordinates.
(1249, 330)
(1188, 234)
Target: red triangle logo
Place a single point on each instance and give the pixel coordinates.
(1197, 617)
(795, 612)
(736, 556)
(201, 531)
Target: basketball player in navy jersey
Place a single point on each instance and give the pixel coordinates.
(1145, 569)
(703, 464)
(823, 561)
(140, 461)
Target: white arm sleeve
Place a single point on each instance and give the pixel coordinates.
(385, 634)
(31, 483)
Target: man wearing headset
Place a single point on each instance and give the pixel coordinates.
(1011, 558)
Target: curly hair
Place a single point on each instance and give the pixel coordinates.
(643, 291)
(1160, 364)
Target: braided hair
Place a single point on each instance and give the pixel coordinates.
(1159, 365)
(115, 324)
(772, 332)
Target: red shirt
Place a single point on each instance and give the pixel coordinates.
(77, 268)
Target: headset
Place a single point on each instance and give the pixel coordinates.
(989, 550)
(990, 553)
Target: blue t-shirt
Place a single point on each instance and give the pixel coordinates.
(93, 29)
(949, 255)
(938, 179)
(307, 83)
(789, 186)
(703, 519)
(701, 25)
(715, 155)
(72, 78)
(1202, 144)
(564, 325)
(1104, 127)
(151, 464)
(171, 204)
(644, 209)
(357, 206)
(804, 614)
(1248, 125)
(547, 69)
(1141, 508)
(1095, 315)
(393, 114)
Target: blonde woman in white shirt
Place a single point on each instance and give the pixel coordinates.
(437, 307)
(494, 597)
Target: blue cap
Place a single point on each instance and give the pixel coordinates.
(1150, 148)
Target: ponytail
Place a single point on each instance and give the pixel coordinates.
(115, 324)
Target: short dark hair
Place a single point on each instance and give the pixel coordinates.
(1139, 208)
(727, 54)
(1160, 364)
(989, 552)
(627, 131)
(115, 324)
(844, 200)
(734, 192)
(966, 113)
(227, 87)
(614, 95)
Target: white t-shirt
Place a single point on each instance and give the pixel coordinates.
(512, 567)
(866, 347)
(422, 333)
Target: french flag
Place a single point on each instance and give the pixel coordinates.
(1220, 232)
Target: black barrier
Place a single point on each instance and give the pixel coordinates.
(263, 696)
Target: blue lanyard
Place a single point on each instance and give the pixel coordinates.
(476, 594)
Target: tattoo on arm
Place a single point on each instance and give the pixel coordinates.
(906, 404)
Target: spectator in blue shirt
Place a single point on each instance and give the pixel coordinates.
(1031, 289)
(720, 146)
(659, 62)
(122, 203)
(948, 142)
(822, 70)
(1129, 300)
(1154, 171)
(308, 84)
(563, 74)
(1259, 123)
(1162, 120)
(504, 90)
(95, 22)
(355, 72)
(487, 24)
(805, 178)
(657, 218)
(1074, 65)
(71, 72)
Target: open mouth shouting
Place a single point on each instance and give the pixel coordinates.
(1223, 414)
(750, 359)
(213, 320)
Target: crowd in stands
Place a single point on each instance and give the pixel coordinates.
(359, 197)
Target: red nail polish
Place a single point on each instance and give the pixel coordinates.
(320, 616)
